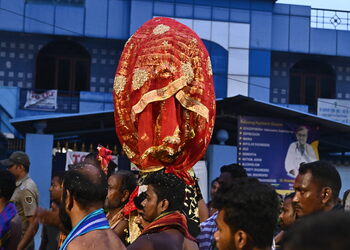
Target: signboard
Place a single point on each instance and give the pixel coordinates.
(334, 109)
(75, 157)
(271, 150)
(46, 101)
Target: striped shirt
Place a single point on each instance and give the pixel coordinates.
(206, 237)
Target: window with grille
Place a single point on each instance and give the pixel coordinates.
(63, 65)
(310, 80)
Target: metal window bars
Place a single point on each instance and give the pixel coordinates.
(330, 19)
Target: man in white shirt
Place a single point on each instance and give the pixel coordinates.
(298, 152)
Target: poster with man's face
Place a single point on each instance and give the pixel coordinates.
(272, 149)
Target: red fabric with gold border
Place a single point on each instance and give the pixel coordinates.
(164, 97)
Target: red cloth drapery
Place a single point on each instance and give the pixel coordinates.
(172, 220)
(164, 98)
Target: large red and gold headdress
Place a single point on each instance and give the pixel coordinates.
(164, 97)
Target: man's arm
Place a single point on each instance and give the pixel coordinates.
(29, 233)
(29, 203)
(202, 210)
(120, 229)
(49, 217)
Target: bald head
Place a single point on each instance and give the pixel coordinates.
(92, 173)
(87, 185)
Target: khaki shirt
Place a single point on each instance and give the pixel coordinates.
(26, 198)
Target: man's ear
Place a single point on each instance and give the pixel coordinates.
(125, 195)
(69, 201)
(240, 239)
(327, 194)
(20, 166)
(164, 205)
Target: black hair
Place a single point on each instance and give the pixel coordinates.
(59, 175)
(86, 188)
(169, 187)
(345, 196)
(250, 206)
(236, 170)
(213, 181)
(7, 184)
(111, 168)
(129, 181)
(91, 158)
(26, 168)
(325, 174)
(301, 128)
(322, 231)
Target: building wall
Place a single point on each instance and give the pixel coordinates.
(243, 37)
(19, 52)
(281, 64)
(248, 30)
(95, 18)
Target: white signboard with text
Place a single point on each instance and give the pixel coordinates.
(75, 157)
(46, 101)
(334, 109)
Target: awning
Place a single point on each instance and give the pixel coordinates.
(99, 127)
(91, 127)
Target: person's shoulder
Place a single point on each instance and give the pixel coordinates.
(30, 184)
(143, 242)
(211, 220)
(97, 239)
(190, 244)
(169, 239)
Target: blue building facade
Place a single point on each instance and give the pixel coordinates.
(278, 53)
(257, 47)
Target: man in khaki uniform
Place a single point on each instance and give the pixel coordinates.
(25, 197)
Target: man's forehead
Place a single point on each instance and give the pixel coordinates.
(225, 176)
(55, 180)
(115, 179)
(220, 217)
(304, 180)
(302, 132)
(113, 183)
(150, 190)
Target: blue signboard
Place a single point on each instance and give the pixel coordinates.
(272, 149)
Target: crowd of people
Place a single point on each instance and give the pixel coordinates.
(90, 210)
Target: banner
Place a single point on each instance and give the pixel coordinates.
(75, 157)
(46, 101)
(334, 109)
(271, 150)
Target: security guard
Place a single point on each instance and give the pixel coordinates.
(25, 197)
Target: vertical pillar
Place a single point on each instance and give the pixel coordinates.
(39, 149)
